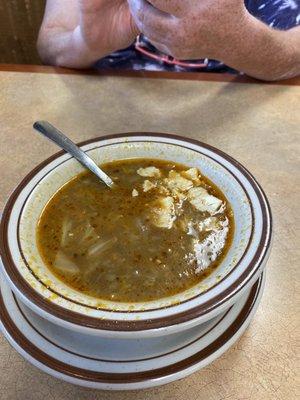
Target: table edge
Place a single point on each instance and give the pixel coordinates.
(193, 76)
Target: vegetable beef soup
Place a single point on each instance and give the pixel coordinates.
(162, 229)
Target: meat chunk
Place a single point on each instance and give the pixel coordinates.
(207, 251)
(148, 185)
(149, 172)
(163, 212)
(178, 196)
(203, 201)
(164, 191)
(191, 174)
(175, 182)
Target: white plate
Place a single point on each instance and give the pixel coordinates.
(118, 364)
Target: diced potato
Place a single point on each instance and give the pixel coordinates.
(203, 201)
(149, 172)
(191, 174)
(163, 212)
(135, 193)
(176, 181)
(148, 185)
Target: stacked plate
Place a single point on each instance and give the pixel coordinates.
(128, 346)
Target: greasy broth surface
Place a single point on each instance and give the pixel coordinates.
(101, 241)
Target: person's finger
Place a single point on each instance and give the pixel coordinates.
(154, 23)
(174, 7)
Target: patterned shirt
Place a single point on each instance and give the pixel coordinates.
(279, 14)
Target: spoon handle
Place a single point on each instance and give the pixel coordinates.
(52, 133)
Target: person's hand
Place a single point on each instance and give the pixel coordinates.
(192, 29)
(77, 33)
(222, 30)
(105, 22)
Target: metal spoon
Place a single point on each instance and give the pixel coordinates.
(52, 133)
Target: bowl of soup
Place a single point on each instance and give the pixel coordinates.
(182, 234)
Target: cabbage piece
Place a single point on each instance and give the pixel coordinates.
(100, 247)
(65, 230)
(64, 265)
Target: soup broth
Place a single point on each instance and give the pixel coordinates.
(160, 230)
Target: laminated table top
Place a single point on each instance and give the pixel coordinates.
(256, 123)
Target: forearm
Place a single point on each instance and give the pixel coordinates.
(265, 53)
(66, 48)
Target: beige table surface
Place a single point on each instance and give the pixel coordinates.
(258, 124)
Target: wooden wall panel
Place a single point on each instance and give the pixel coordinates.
(19, 25)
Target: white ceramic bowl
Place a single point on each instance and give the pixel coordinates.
(36, 286)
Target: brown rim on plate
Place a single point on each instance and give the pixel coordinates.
(129, 311)
(126, 378)
(139, 325)
(118, 361)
